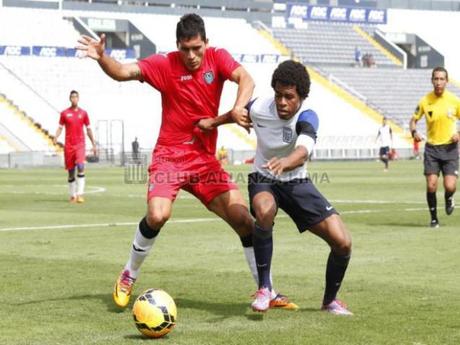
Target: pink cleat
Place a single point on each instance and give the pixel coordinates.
(262, 301)
(337, 307)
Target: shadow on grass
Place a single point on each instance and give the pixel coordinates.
(105, 298)
(222, 311)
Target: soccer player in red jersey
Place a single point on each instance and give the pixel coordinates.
(73, 119)
(190, 81)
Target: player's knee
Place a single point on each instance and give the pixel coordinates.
(343, 246)
(265, 212)
(80, 167)
(156, 219)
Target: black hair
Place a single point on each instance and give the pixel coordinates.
(189, 26)
(73, 92)
(439, 69)
(292, 73)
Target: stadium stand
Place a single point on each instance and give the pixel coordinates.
(395, 91)
(25, 27)
(329, 44)
(326, 48)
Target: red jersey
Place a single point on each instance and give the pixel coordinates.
(188, 96)
(73, 120)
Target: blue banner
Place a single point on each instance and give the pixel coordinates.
(337, 14)
(48, 51)
(14, 50)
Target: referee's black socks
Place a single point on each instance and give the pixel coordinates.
(432, 204)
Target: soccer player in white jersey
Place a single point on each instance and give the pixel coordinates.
(386, 141)
(286, 133)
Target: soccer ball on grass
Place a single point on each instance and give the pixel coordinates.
(154, 313)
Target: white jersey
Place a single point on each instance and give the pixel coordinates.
(385, 134)
(278, 138)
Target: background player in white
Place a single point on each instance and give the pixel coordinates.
(286, 133)
(385, 134)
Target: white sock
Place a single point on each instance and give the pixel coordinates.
(72, 188)
(80, 184)
(143, 246)
(251, 260)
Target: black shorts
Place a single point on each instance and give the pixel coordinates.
(299, 198)
(384, 150)
(441, 158)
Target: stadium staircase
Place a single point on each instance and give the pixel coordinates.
(332, 44)
(22, 131)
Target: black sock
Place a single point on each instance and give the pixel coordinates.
(246, 241)
(335, 271)
(263, 250)
(432, 204)
(386, 163)
(448, 195)
(146, 230)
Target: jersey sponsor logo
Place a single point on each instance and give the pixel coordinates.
(208, 77)
(287, 135)
(186, 77)
(68, 115)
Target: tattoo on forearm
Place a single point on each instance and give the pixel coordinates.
(135, 74)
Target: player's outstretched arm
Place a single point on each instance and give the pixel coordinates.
(245, 88)
(211, 123)
(94, 48)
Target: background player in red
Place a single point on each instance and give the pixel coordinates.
(73, 119)
(190, 81)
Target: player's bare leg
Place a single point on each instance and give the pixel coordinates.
(232, 208)
(334, 232)
(158, 213)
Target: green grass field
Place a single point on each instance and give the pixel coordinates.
(59, 262)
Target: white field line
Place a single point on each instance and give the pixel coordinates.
(173, 221)
(89, 190)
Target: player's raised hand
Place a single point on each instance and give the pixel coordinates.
(241, 116)
(93, 48)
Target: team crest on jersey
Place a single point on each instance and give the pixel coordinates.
(287, 135)
(450, 113)
(208, 77)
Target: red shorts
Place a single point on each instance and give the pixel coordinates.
(187, 167)
(73, 155)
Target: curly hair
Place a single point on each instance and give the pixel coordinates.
(292, 73)
(189, 26)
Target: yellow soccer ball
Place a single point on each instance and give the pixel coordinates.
(155, 313)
